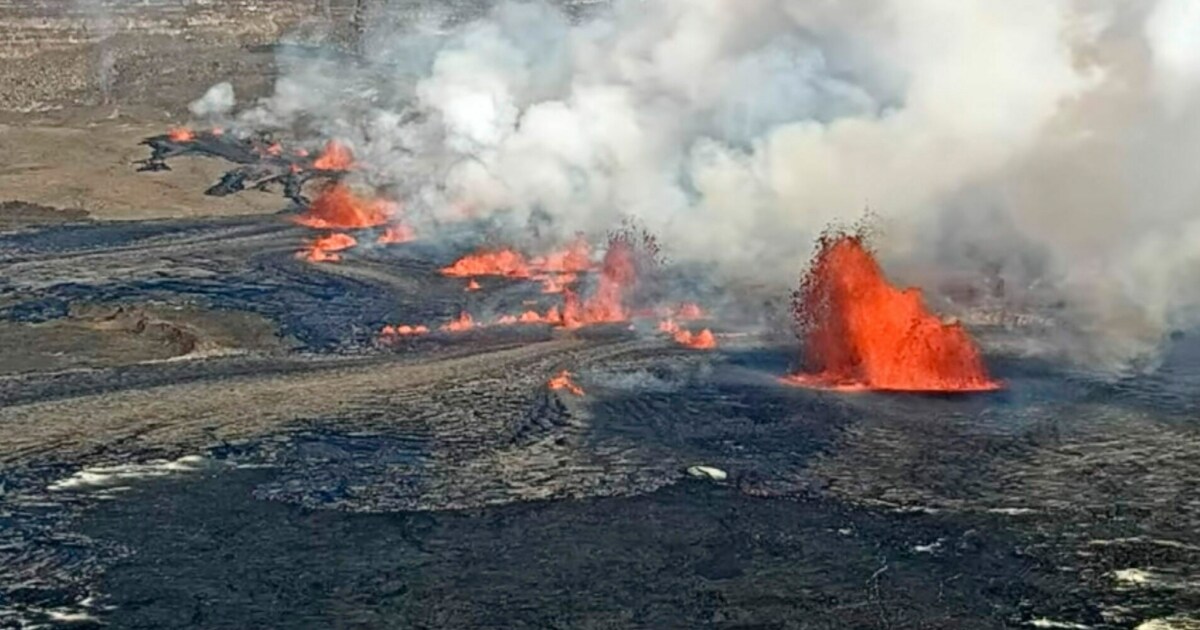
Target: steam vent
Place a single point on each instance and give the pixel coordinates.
(521, 314)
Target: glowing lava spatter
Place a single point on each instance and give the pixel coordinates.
(618, 274)
(555, 283)
(473, 285)
(322, 249)
(463, 322)
(860, 332)
(389, 332)
(181, 134)
(335, 157)
(338, 207)
(574, 259)
(563, 381)
(703, 340)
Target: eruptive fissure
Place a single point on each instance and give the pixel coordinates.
(860, 332)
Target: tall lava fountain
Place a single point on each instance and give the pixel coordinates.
(860, 332)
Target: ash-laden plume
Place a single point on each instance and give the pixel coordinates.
(737, 129)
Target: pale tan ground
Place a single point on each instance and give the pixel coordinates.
(91, 165)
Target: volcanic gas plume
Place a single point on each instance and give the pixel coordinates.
(860, 332)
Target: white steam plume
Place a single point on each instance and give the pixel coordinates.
(738, 130)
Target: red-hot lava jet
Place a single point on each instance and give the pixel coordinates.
(860, 332)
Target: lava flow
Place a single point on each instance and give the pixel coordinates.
(500, 262)
(338, 207)
(860, 332)
(323, 248)
(563, 381)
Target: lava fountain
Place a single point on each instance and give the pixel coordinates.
(337, 207)
(860, 332)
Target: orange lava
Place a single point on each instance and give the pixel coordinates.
(275, 149)
(618, 274)
(552, 317)
(335, 157)
(575, 258)
(403, 330)
(463, 322)
(322, 249)
(499, 262)
(181, 134)
(860, 332)
(473, 285)
(563, 381)
(557, 282)
(397, 233)
(703, 340)
(338, 207)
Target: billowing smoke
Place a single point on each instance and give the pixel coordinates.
(1051, 142)
(217, 101)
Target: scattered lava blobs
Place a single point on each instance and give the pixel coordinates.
(181, 134)
(860, 332)
(335, 157)
(339, 208)
(391, 333)
(323, 249)
(461, 323)
(563, 381)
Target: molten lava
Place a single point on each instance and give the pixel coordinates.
(703, 340)
(397, 233)
(473, 285)
(338, 207)
(500, 262)
(557, 282)
(181, 134)
(618, 274)
(575, 258)
(323, 248)
(335, 157)
(403, 330)
(463, 322)
(563, 381)
(551, 317)
(860, 332)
